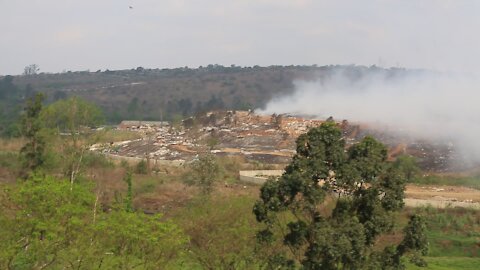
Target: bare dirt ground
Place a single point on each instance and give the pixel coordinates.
(442, 196)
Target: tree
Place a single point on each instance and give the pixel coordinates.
(407, 165)
(73, 118)
(204, 173)
(415, 242)
(31, 69)
(33, 152)
(49, 225)
(358, 185)
(11, 101)
(47, 217)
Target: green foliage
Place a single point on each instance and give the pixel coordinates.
(33, 153)
(73, 116)
(48, 223)
(109, 135)
(11, 100)
(47, 218)
(466, 181)
(132, 108)
(129, 198)
(448, 263)
(415, 235)
(415, 240)
(141, 167)
(148, 185)
(222, 234)
(74, 119)
(407, 165)
(452, 232)
(212, 142)
(96, 160)
(132, 240)
(204, 173)
(10, 161)
(369, 192)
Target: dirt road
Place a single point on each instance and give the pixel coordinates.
(442, 196)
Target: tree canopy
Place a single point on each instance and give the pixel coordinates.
(331, 205)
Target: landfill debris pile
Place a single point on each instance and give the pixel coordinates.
(268, 139)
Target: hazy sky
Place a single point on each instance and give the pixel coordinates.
(98, 34)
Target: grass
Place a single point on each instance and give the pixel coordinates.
(454, 238)
(466, 181)
(448, 263)
(96, 160)
(9, 160)
(221, 231)
(11, 144)
(145, 185)
(115, 135)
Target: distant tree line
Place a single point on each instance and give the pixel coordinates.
(167, 94)
(11, 99)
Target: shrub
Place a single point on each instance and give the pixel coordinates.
(141, 167)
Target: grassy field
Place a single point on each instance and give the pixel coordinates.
(11, 145)
(114, 135)
(465, 181)
(454, 237)
(449, 263)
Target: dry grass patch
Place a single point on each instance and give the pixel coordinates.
(11, 145)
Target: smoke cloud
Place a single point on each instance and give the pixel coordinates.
(423, 104)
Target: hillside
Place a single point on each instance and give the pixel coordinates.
(170, 94)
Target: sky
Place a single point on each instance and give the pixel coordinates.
(60, 35)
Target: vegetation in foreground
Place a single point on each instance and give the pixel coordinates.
(94, 219)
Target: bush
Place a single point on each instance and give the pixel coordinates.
(96, 160)
(204, 172)
(141, 167)
(9, 160)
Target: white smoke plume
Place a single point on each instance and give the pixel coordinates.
(427, 105)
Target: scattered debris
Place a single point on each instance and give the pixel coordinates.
(269, 139)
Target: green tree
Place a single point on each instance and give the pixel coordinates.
(48, 225)
(46, 220)
(204, 173)
(359, 187)
(33, 153)
(73, 119)
(415, 241)
(408, 166)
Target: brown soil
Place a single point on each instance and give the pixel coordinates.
(443, 193)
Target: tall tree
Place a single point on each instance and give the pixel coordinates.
(74, 119)
(33, 152)
(358, 185)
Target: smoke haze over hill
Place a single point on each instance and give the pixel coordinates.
(426, 105)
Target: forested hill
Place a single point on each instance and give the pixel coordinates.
(154, 94)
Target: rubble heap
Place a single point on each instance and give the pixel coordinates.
(265, 138)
